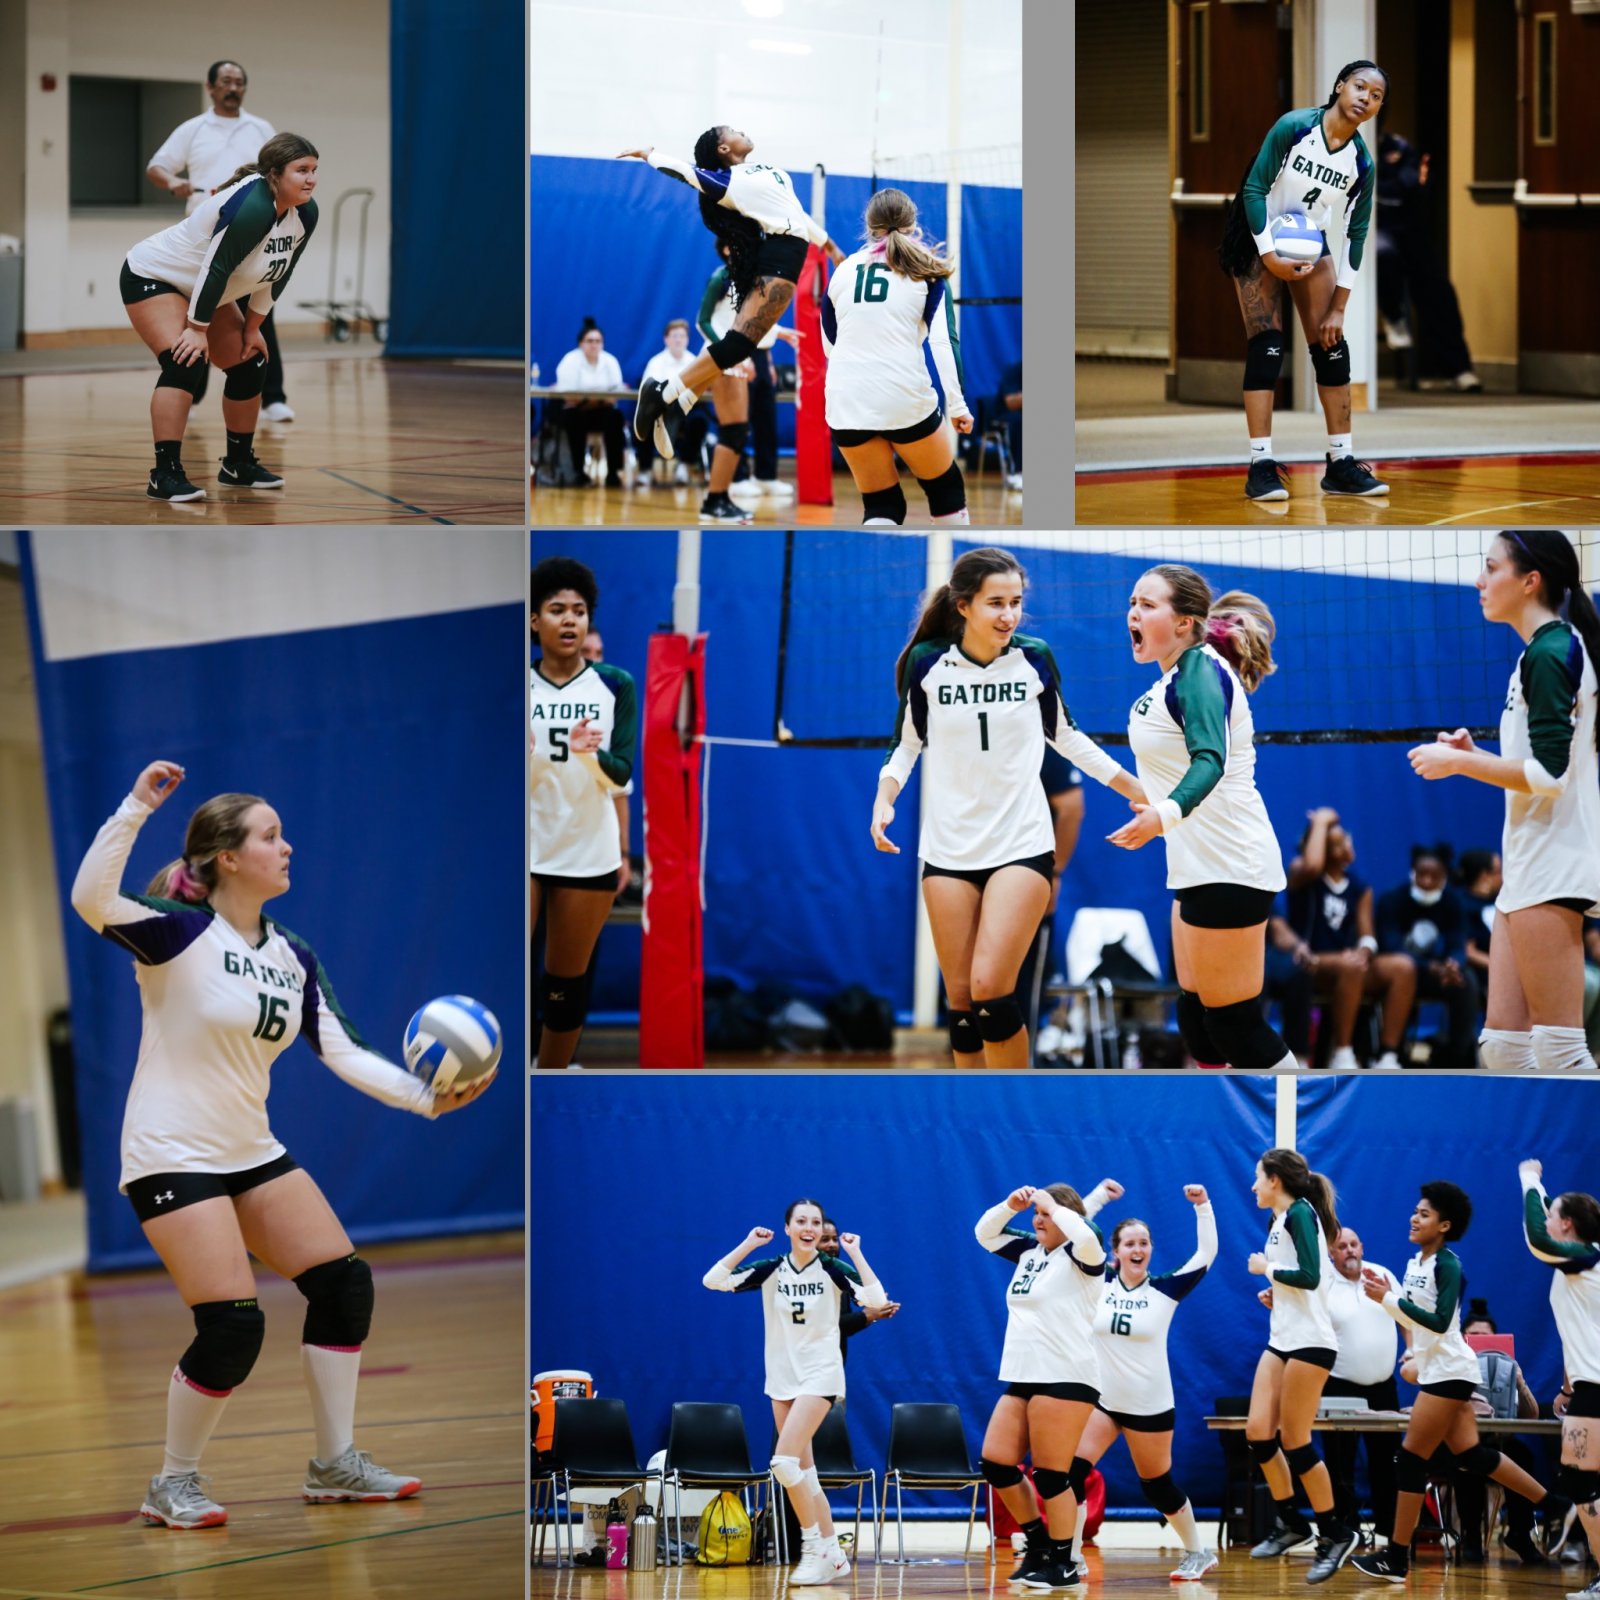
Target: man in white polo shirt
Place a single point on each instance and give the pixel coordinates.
(197, 158)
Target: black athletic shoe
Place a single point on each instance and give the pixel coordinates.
(1389, 1564)
(171, 485)
(1035, 1558)
(1285, 1536)
(248, 474)
(648, 407)
(657, 418)
(1265, 481)
(718, 510)
(1349, 476)
(1521, 1545)
(1053, 1573)
(1331, 1555)
(1559, 1515)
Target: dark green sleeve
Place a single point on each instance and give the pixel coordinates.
(1361, 216)
(716, 288)
(248, 226)
(617, 761)
(955, 340)
(308, 220)
(1555, 1252)
(1204, 716)
(1301, 1221)
(1447, 1279)
(1265, 168)
(1548, 690)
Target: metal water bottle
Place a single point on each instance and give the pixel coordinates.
(642, 1540)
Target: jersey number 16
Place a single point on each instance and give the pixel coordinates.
(271, 1019)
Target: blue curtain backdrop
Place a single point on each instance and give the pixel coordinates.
(457, 237)
(911, 1166)
(385, 749)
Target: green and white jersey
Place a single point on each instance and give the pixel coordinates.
(1551, 841)
(762, 193)
(1052, 1297)
(717, 311)
(1300, 1272)
(1574, 1288)
(1431, 1307)
(1193, 742)
(800, 1307)
(985, 729)
(874, 324)
(1296, 170)
(572, 824)
(233, 246)
(218, 1011)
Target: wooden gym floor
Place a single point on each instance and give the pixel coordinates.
(442, 1395)
(373, 440)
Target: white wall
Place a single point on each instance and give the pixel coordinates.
(13, 69)
(315, 68)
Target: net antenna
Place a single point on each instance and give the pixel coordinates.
(877, 110)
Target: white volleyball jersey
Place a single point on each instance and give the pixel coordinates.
(1365, 1331)
(874, 325)
(218, 1011)
(1551, 841)
(210, 149)
(800, 1307)
(1050, 1304)
(1299, 1271)
(1430, 1305)
(985, 730)
(1296, 170)
(233, 246)
(1131, 1326)
(572, 824)
(1193, 742)
(718, 313)
(762, 193)
(1574, 1287)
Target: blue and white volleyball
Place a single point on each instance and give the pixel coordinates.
(1294, 238)
(452, 1042)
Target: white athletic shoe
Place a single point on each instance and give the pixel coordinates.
(745, 489)
(181, 1502)
(1343, 1060)
(278, 411)
(1194, 1566)
(1014, 482)
(776, 488)
(681, 473)
(820, 1564)
(1388, 1062)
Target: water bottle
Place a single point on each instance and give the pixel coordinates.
(642, 1540)
(616, 1537)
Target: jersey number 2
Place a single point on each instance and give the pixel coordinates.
(797, 1309)
(271, 1021)
(872, 282)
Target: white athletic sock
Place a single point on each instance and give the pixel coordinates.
(1183, 1524)
(1506, 1050)
(1561, 1049)
(811, 1536)
(192, 1413)
(1261, 449)
(687, 399)
(1339, 445)
(671, 389)
(331, 1377)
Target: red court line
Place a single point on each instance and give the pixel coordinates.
(1397, 463)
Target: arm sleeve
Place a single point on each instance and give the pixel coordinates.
(910, 719)
(996, 1235)
(1566, 1254)
(846, 1276)
(1301, 1223)
(1087, 1248)
(613, 768)
(716, 288)
(830, 317)
(735, 1279)
(1177, 1284)
(711, 181)
(263, 300)
(1548, 689)
(1447, 1278)
(1263, 174)
(1096, 1201)
(1196, 698)
(1061, 732)
(852, 1322)
(244, 228)
(1355, 239)
(173, 156)
(943, 342)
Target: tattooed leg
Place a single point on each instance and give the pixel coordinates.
(1261, 303)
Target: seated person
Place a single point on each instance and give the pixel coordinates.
(589, 366)
(1478, 877)
(1009, 404)
(666, 363)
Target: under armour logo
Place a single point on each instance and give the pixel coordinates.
(149, 286)
(167, 1196)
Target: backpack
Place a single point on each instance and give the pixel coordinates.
(1499, 1383)
(725, 1536)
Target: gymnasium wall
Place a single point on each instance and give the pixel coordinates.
(367, 683)
(865, 1146)
(13, 120)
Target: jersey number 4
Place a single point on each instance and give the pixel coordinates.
(272, 1019)
(872, 282)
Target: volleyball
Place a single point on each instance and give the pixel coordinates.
(1294, 238)
(451, 1042)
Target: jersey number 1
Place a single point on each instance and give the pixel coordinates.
(271, 1021)
(872, 282)
(983, 730)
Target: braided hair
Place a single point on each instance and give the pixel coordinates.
(732, 228)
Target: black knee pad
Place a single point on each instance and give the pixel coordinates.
(965, 1040)
(1244, 1037)
(227, 1340)
(1197, 1038)
(1301, 1458)
(947, 493)
(732, 348)
(191, 379)
(1078, 1475)
(998, 1019)
(245, 380)
(1263, 360)
(998, 1474)
(338, 1302)
(1410, 1472)
(884, 505)
(732, 435)
(1050, 1481)
(1480, 1460)
(1333, 366)
(563, 1002)
(1164, 1494)
(1578, 1485)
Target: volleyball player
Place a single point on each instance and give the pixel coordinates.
(1301, 1349)
(1136, 1400)
(1548, 767)
(1314, 162)
(200, 290)
(1565, 1233)
(225, 990)
(583, 733)
(1447, 1374)
(802, 1292)
(883, 303)
(1050, 1368)
(1193, 744)
(983, 699)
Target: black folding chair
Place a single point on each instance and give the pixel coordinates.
(927, 1450)
(707, 1449)
(835, 1460)
(593, 1445)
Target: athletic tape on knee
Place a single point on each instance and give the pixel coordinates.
(246, 380)
(1078, 1475)
(999, 1474)
(339, 1301)
(1480, 1460)
(786, 1469)
(732, 435)
(1197, 1038)
(563, 1002)
(191, 379)
(947, 494)
(1262, 1450)
(1244, 1036)
(965, 1040)
(1050, 1481)
(1410, 1472)
(1578, 1485)
(1333, 366)
(1561, 1049)
(227, 1340)
(999, 1018)
(1263, 360)
(883, 507)
(732, 348)
(1507, 1050)
(1164, 1494)
(1301, 1458)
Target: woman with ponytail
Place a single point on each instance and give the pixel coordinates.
(983, 699)
(1548, 767)
(1314, 163)
(200, 290)
(225, 990)
(1193, 742)
(1301, 1350)
(883, 304)
(753, 210)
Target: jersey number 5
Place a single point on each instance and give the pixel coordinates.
(272, 1019)
(558, 744)
(872, 282)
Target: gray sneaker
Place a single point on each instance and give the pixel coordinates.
(1591, 1593)
(1194, 1566)
(354, 1476)
(180, 1502)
